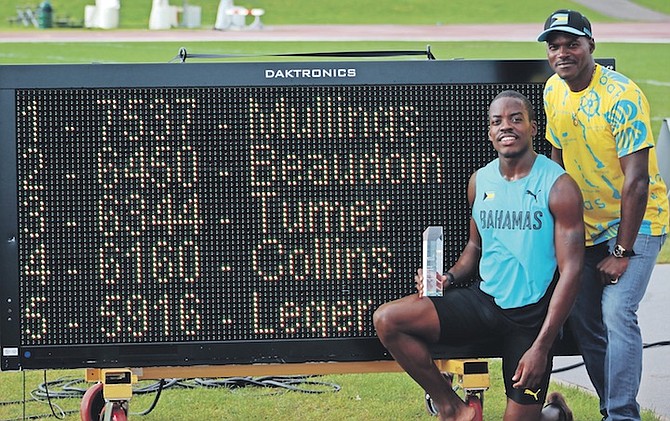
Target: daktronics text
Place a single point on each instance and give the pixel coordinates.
(309, 73)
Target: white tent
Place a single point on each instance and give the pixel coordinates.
(163, 16)
(105, 14)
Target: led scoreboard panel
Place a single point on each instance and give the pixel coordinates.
(180, 214)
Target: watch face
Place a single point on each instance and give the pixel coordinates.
(619, 251)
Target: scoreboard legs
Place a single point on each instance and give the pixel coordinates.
(107, 400)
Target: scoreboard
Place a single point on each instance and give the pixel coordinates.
(182, 214)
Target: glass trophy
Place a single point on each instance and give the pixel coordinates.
(433, 260)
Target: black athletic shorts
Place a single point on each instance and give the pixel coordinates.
(469, 316)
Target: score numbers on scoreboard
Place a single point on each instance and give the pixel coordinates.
(205, 215)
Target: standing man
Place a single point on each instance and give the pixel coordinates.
(526, 226)
(598, 123)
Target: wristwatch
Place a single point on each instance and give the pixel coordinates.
(619, 252)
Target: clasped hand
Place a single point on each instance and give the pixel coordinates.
(611, 269)
(418, 281)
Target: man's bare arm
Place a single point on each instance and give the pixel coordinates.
(634, 197)
(566, 205)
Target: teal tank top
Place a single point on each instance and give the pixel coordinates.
(517, 232)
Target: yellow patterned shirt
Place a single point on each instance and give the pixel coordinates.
(594, 128)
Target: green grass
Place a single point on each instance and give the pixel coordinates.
(135, 14)
(362, 397)
(662, 6)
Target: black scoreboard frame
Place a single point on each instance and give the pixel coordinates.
(24, 88)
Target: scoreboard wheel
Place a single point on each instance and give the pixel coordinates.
(92, 404)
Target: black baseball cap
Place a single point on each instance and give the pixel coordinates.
(569, 21)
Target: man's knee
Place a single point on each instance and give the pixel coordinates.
(390, 317)
(620, 316)
(380, 319)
